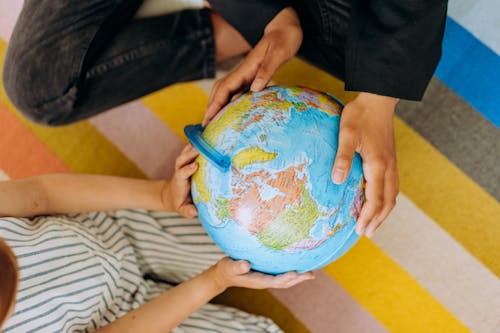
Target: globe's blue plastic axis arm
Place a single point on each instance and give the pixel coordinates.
(193, 133)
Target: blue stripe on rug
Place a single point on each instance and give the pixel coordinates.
(471, 69)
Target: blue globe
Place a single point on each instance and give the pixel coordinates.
(263, 189)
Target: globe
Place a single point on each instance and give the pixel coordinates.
(263, 188)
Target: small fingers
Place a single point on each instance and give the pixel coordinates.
(187, 171)
(186, 157)
(290, 279)
(240, 267)
(189, 211)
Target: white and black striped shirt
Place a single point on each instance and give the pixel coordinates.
(81, 272)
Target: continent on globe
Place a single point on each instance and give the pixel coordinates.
(251, 155)
(260, 197)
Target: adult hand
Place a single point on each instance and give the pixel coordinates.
(176, 191)
(230, 273)
(366, 127)
(281, 40)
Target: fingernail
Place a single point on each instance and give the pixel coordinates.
(243, 266)
(257, 85)
(338, 176)
(370, 230)
(359, 229)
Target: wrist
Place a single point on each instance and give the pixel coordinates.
(287, 18)
(165, 195)
(216, 282)
(378, 102)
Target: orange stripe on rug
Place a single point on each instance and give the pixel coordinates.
(80, 145)
(18, 143)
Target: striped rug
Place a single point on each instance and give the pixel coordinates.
(435, 264)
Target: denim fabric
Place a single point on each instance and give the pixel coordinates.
(325, 25)
(69, 60)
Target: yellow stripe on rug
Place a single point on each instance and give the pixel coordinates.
(438, 187)
(178, 105)
(261, 302)
(448, 196)
(95, 153)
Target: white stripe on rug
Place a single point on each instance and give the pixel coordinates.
(141, 136)
(441, 265)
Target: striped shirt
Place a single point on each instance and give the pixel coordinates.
(81, 272)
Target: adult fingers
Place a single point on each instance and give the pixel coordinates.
(391, 190)
(374, 170)
(221, 94)
(345, 154)
(235, 81)
(275, 56)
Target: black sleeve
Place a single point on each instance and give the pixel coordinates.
(249, 17)
(394, 46)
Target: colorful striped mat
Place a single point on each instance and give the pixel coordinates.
(435, 264)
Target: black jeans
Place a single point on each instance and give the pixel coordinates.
(69, 60)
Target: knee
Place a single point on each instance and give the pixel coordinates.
(26, 85)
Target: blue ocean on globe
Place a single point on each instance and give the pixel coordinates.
(263, 188)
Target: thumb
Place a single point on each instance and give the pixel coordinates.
(240, 267)
(188, 211)
(344, 157)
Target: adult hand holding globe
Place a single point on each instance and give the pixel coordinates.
(263, 189)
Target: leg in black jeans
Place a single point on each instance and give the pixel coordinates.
(325, 24)
(69, 60)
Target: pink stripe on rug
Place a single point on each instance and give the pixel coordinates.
(142, 137)
(323, 306)
(9, 10)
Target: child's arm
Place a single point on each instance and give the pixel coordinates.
(167, 311)
(69, 193)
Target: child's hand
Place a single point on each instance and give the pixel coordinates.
(176, 191)
(230, 273)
